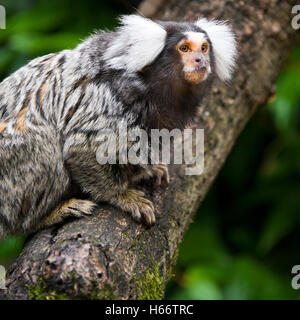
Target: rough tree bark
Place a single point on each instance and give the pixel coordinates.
(110, 256)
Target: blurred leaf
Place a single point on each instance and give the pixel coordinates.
(288, 93)
(279, 224)
(207, 247)
(40, 18)
(36, 44)
(199, 291)
(252, 280)
(11, 247)
(6, 58)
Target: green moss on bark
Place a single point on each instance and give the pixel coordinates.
(151, 285)
(42, 292)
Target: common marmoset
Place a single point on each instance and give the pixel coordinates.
(149, 74)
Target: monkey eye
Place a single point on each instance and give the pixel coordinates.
(204, 47)
(184, 48)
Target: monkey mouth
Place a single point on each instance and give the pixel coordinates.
(196, 76)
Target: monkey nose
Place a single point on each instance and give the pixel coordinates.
(199, 63)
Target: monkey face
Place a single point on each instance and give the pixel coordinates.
(189, 51)
(194, 51)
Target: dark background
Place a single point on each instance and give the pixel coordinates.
(244, 241)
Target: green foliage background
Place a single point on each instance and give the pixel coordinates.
(245, 237)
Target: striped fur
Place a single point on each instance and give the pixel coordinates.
(53, 109)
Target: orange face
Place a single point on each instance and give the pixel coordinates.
(194, 53)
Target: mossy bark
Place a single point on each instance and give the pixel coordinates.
(108, 256)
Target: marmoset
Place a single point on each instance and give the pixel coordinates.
(147, 74)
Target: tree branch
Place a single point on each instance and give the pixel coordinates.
(110, 256)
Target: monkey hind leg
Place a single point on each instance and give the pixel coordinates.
(71, 208)
(109, 183)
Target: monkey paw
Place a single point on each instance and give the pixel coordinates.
(71, 208)
(78, 208)
(160, 174)
(140, 208)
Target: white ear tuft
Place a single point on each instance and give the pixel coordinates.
(138, 42)
(224, 45)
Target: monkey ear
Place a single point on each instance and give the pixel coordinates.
(137, 42)
(223, 43)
